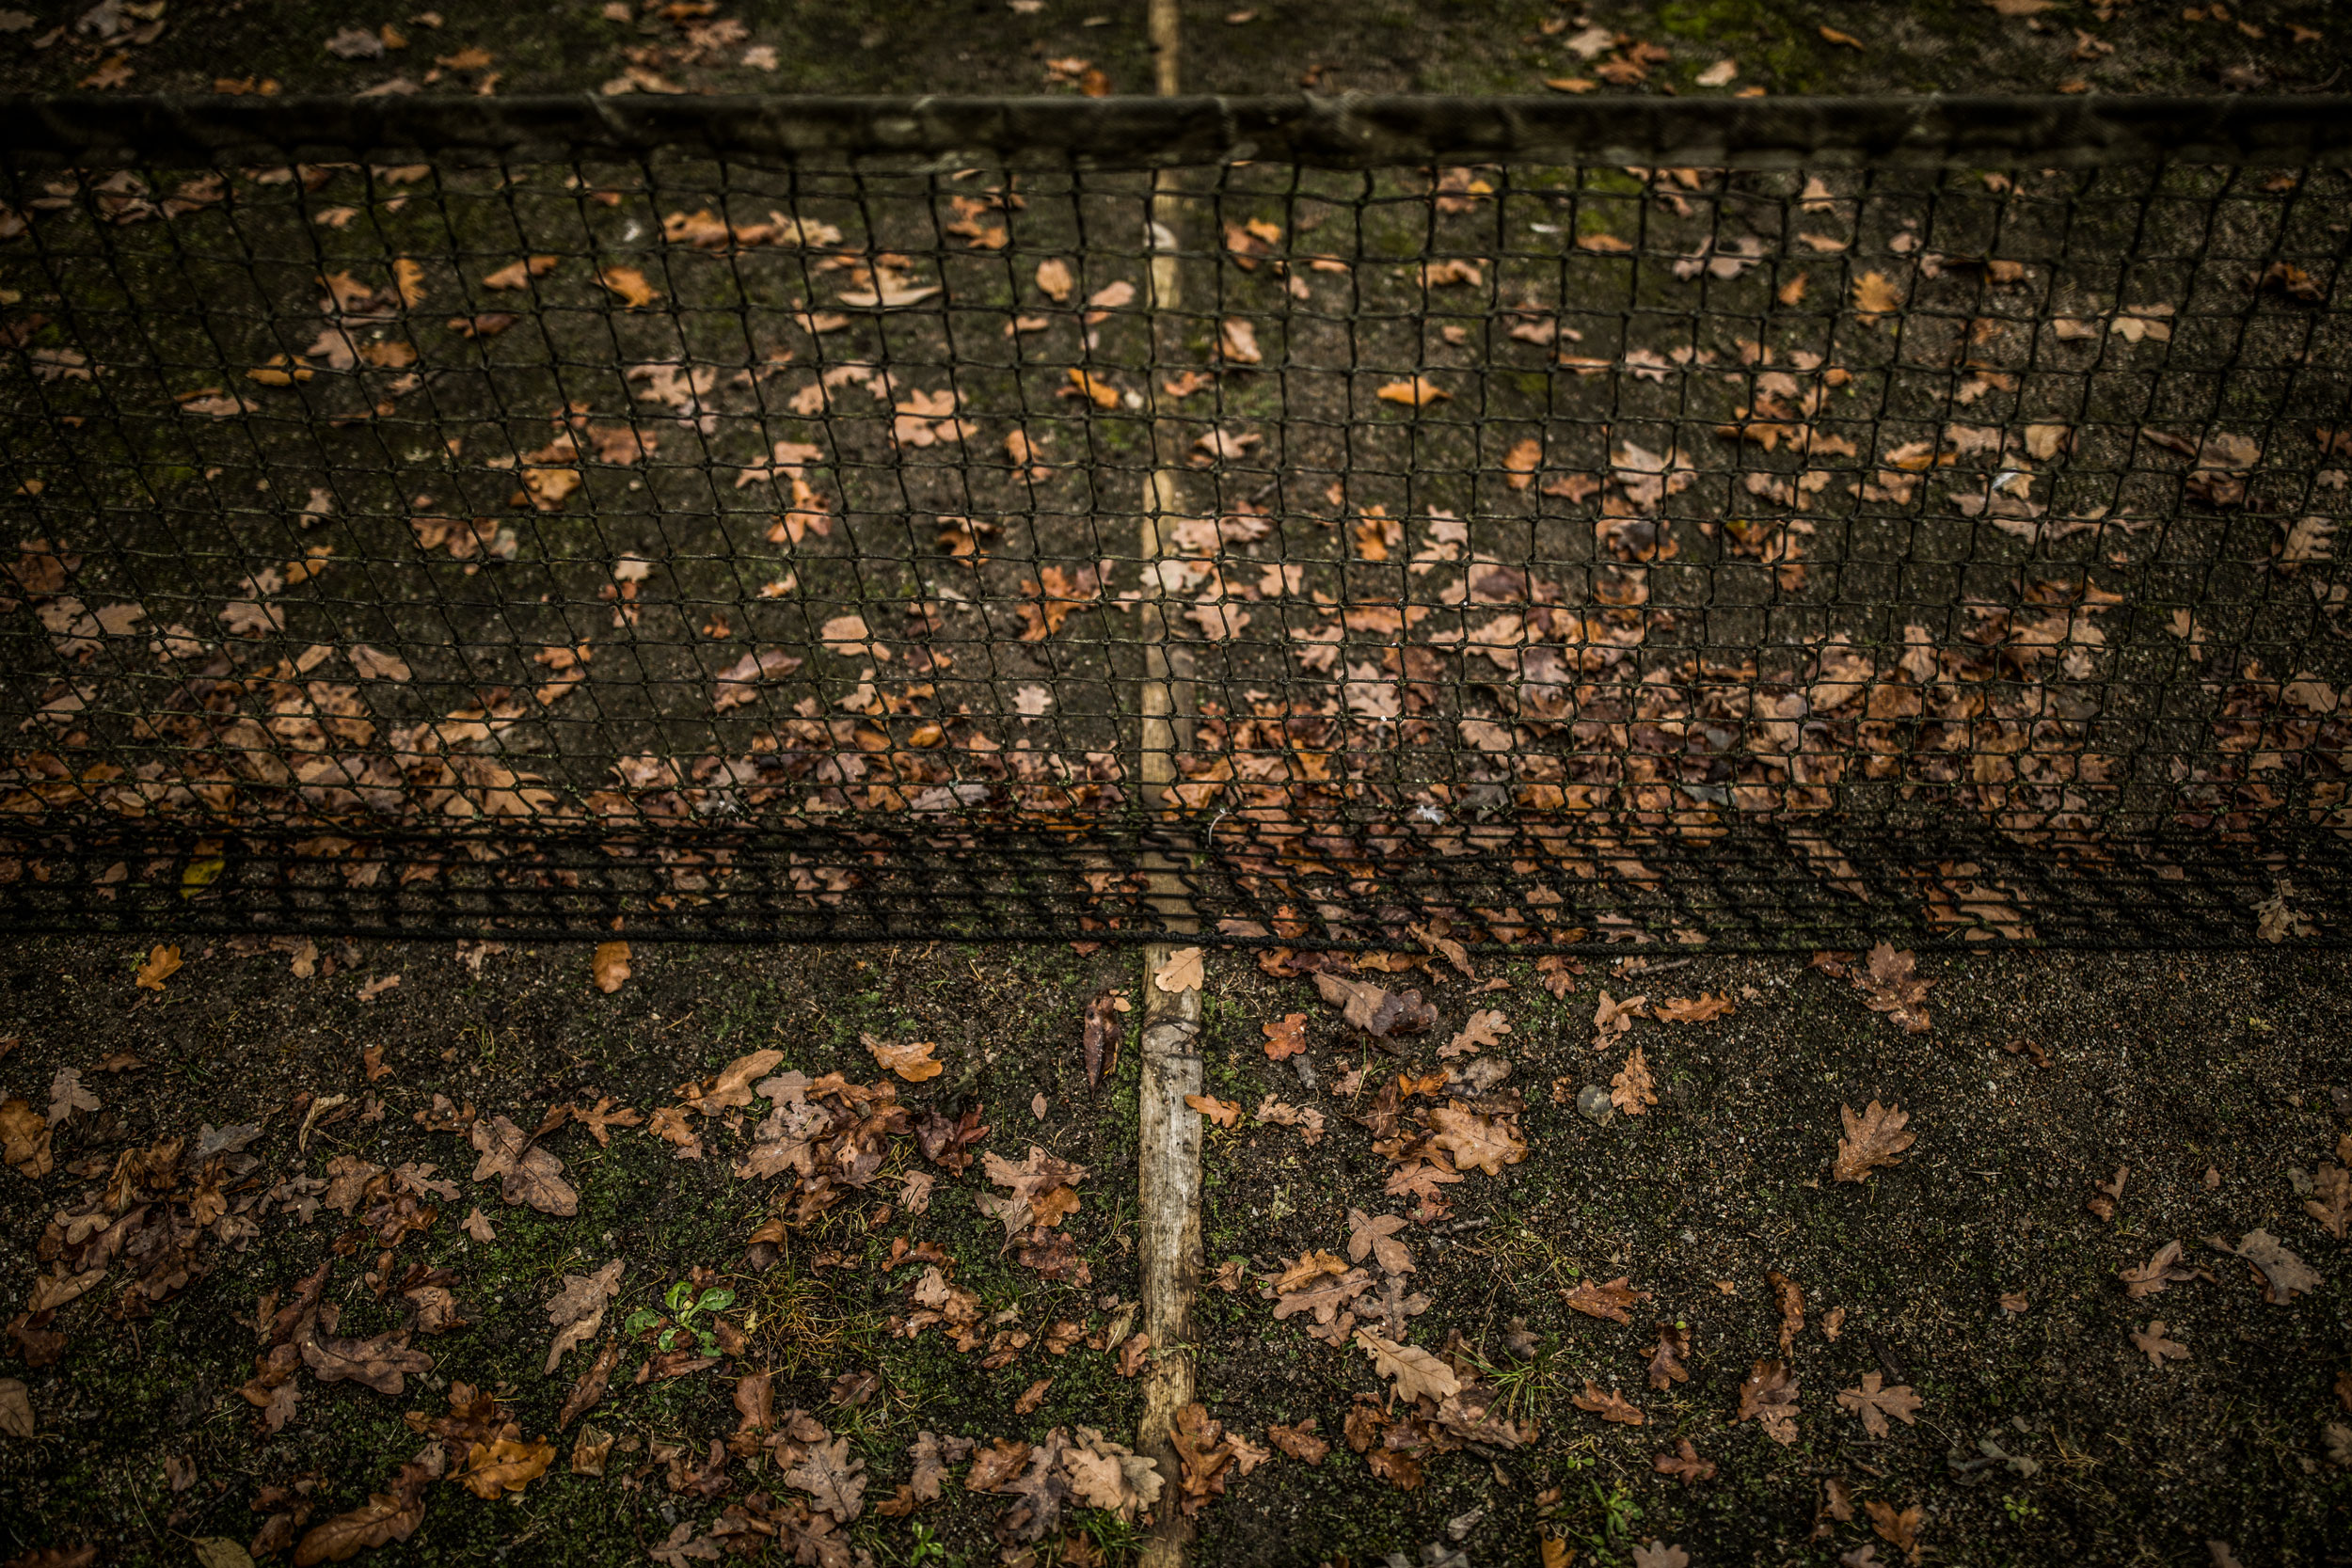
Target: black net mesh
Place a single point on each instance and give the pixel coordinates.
(1343, 528)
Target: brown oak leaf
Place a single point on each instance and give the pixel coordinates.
(1378, 1011)
(1608, 1404)
(1873, 1401)
(1872, 1139)
(1768, 1395)
(1608, 1300)
(1685, 1465)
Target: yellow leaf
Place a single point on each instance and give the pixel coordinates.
(410, 277)
(1832, 35)
(199, 875)
(609, 967)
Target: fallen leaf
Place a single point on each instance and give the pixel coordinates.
(912, 1061)
(1484, 1031)
(2164, 1269)
(161, 965)
(2282, 1273)
(2150, 1342)
(1376, 1011)
(1287, 1037)
(1375, 1237)
(1701, 1008)
(609, 967)
(1182, 970)
(1660, 1554)
(833, 1477)
(1874, 297)
(577, 1309)
(16, 1409)
(1042, 1189)
(1666, 1362)
(1608, 1300)
(526, 1172)
(1225, 1112)
(1054, 278)
(1897, 1528)
(1471, 1139)
(503, 1464)
(1608, 1404)
(1417, 393)
(1872, 1139)
(1769, 1396)
(1874, 1403)
(380, 1361)
(1684, 1465)
(517, 275)
(629, 283)
(1414, 1371)
(1631, 1090)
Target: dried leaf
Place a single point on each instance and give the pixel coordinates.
(1608, 1300)
(609, 968)
(2150, 1342)
(1377, 1237)
(630, 284)
(1685, 1464)
(161, 965)
(912, 1061)
(1768, 1395)
(1608, 1404)
(1225, 1112)
(1287, 1037)
(1376, 1011)
(1872, 1139)
(1631, 1090)
(1414, 1371)
(1874, 1403)
(1182, 970)
(577, 1310)
(1417, 393)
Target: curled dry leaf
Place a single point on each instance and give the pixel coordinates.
(1691, 1009)
(1666, 1362)
(2164, 1269)
(503, 1464)
(1872, 1139)
(912, 1061)
(161, 965)
(609, 968)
